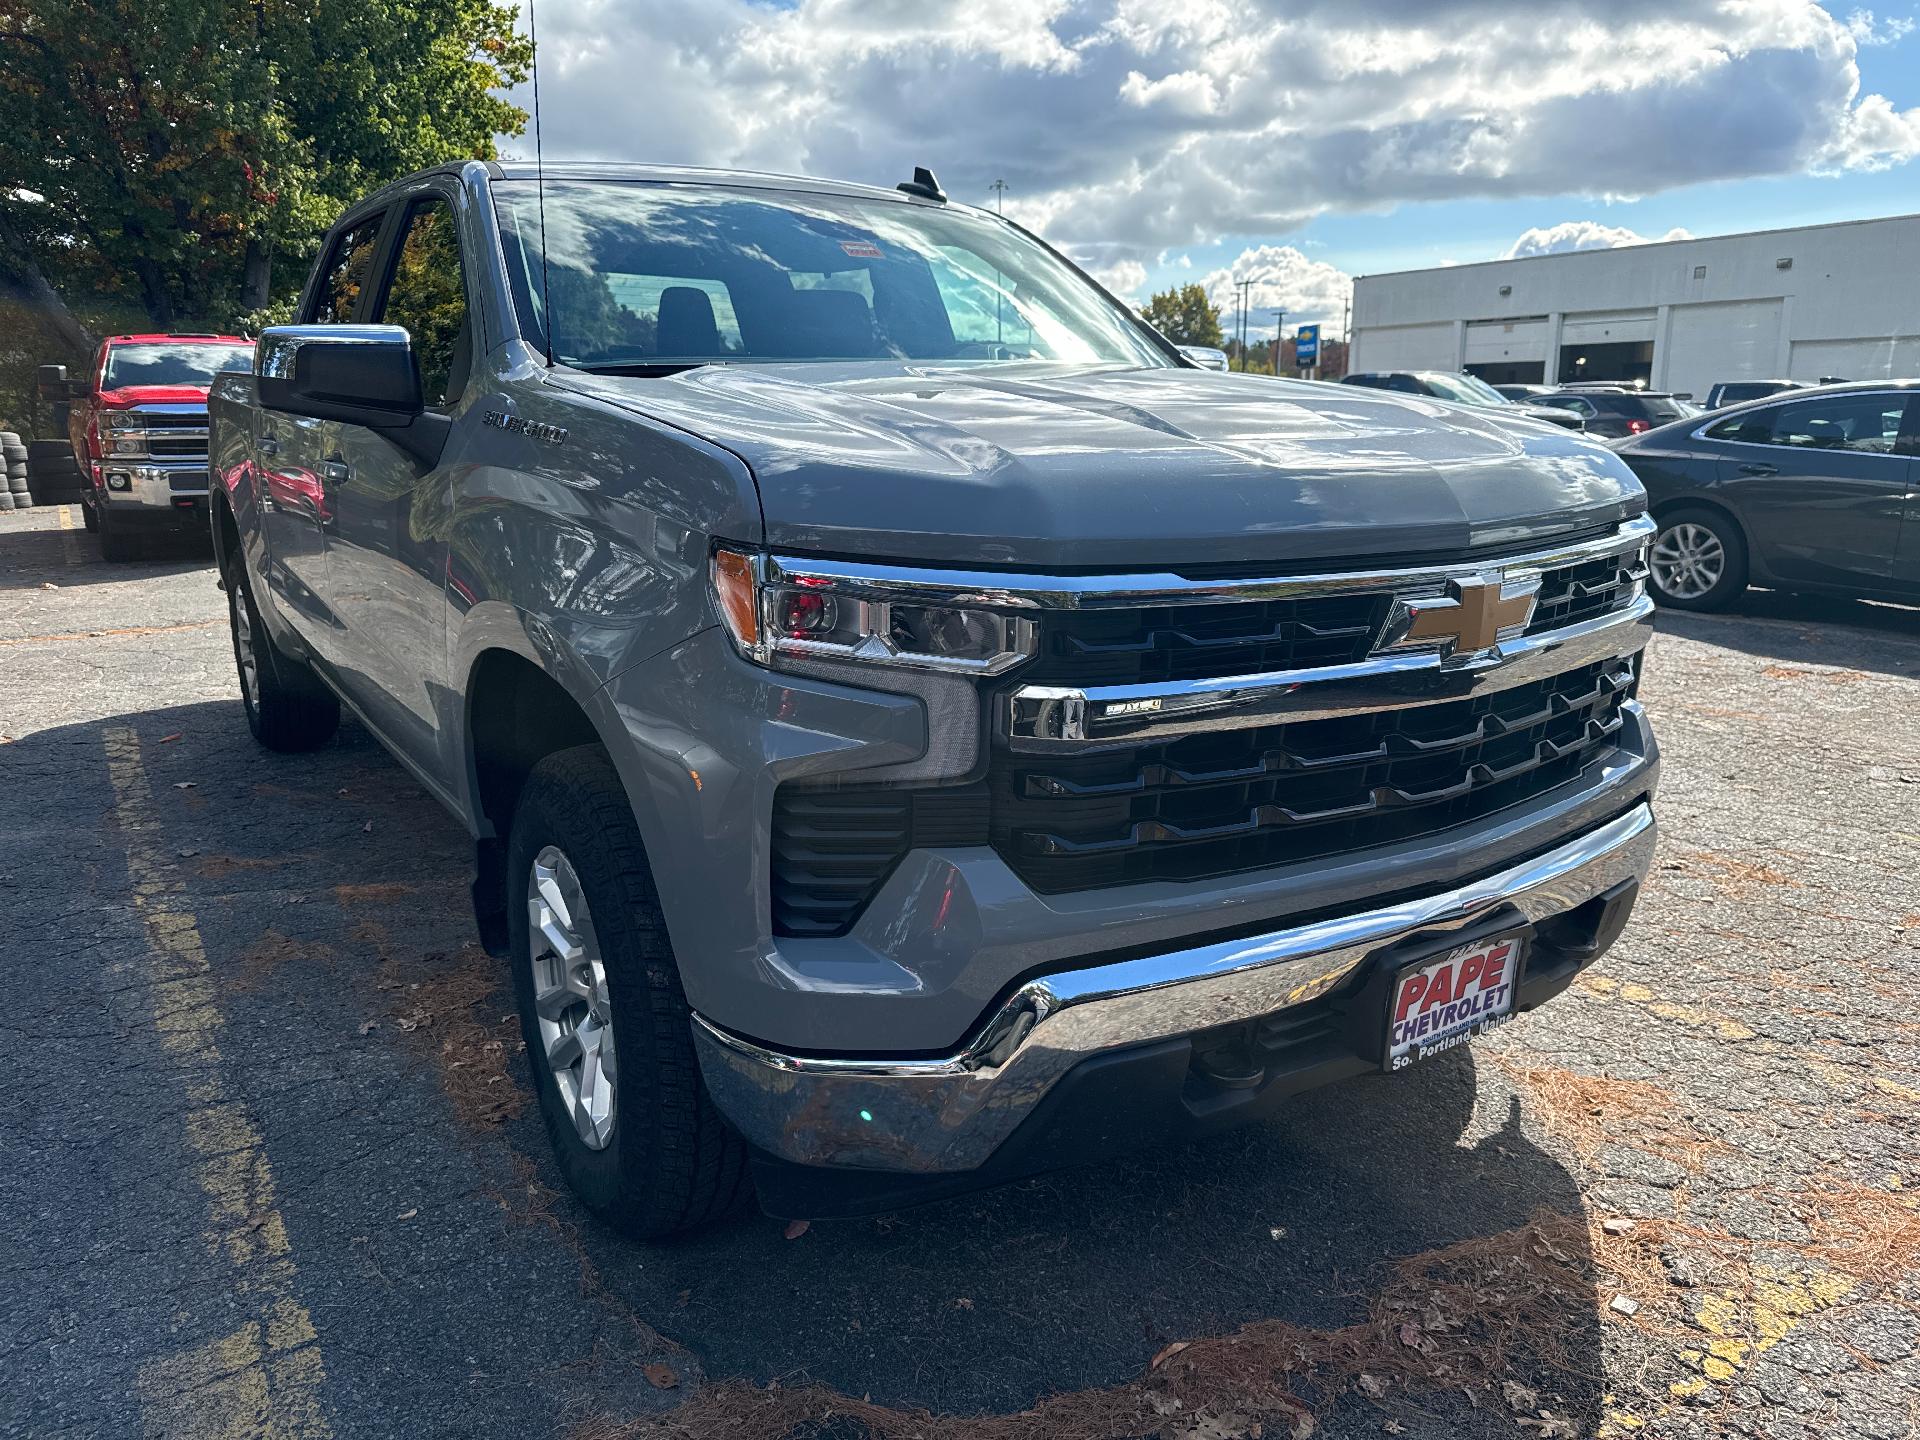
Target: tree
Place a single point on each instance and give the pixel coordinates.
(171, 150)
(1185, 316)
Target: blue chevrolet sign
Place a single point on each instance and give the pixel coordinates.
(1306, 346)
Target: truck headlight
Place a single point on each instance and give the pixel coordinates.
(119, 420)
(772, 613)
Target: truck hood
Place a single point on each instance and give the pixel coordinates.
(127, 396)
(1100, 468)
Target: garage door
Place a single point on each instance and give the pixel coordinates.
(1491, 341)
(1883, 359)
(1711, 343)
(1616, 327)
(1404, 347)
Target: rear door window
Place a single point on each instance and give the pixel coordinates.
(349, 263)
(1867, 423)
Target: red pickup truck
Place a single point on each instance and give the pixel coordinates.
(139, 429)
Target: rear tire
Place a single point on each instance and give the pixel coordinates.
(637, 1138)
(1698, 560)
(288, 708)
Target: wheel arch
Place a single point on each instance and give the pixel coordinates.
(520, 706)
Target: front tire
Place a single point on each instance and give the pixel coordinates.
(288, 708)
(1698, 560)
(117, 544)
(606, 1022)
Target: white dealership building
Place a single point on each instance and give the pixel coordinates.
(1821, 301)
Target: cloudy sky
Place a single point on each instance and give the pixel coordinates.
(1296, 141)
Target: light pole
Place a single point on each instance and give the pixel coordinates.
(999, 188)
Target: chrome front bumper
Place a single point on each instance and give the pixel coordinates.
(152, 485)
(948, 1115)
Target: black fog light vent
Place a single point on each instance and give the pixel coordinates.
(833, 847)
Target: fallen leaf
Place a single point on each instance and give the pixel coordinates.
(1519, 1397)
(184, 784)
(1303, 1426)
(169, 739)
(1167, 1352)
(795, 1229)
(963, 1303)
(1372, 1386)
(367, 1027)
(367, 828)
(407, 1214)
(661, 1377)
(1394, 1427)
(48, 585)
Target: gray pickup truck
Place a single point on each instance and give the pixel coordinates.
(918, 729)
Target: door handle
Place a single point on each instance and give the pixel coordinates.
(333, 472)
(267, 445)
(1759, 469)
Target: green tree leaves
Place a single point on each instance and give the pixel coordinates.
(175, 152)
(1185, 316)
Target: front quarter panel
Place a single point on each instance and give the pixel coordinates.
(579, 533)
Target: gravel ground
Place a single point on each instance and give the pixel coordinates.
(274, 1169)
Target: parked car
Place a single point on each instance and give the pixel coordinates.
(941, 735)
(1523, 394)
(1460, 388)
(1736, 392)
(138, 425)
(1207, 356)
(1611, 412)
(1812, 490)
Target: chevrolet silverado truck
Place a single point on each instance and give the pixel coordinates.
(138, 423)
(916, 728)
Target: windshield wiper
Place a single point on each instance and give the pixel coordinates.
(645, 369)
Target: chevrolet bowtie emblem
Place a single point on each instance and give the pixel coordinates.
(1475, 614)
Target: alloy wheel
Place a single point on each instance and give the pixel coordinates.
(570, 998)
(1688, 560)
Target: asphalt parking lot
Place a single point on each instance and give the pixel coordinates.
(273, 1169)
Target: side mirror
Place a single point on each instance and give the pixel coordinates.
(52, 383)
(356, 374)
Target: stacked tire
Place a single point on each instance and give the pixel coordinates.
(15, 494)
(53, 474)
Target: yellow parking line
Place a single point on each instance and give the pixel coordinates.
(264, 1378)
(69, 540)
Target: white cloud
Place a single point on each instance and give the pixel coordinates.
(1583, 235)
(1866, 29)
(1308, 290)
(1130, 127)
(1124, 278)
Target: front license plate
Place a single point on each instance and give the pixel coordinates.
(1438, 1004)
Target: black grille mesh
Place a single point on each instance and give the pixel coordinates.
(1214, 804)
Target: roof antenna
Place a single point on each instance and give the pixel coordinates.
(923, 184)
(540, 187)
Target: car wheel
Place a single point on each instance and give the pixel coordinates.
(1698, 560)
(606, 1023)
(116, 542)
(288, 708)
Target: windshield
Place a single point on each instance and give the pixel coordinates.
(1467, 389)
(182, 363)
(643, 274)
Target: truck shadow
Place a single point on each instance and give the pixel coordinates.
(1809, 629)
(979, 1305)
(30, 558)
